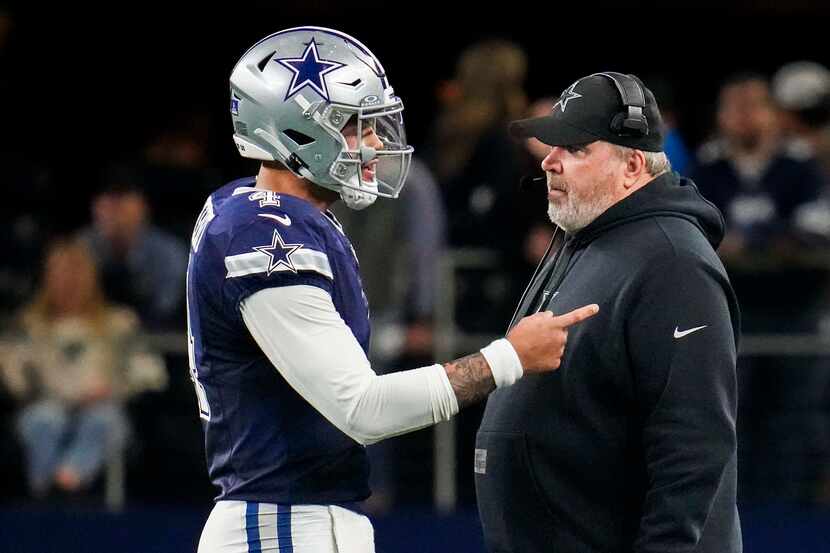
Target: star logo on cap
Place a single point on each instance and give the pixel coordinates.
(309, 70)
(566, 97)
(279, 253)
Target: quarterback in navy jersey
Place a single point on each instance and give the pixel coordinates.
(278, 324)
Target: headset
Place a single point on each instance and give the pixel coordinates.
(632, 121)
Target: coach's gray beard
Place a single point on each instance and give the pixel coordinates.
(576, 213)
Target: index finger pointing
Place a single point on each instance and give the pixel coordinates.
(577, 315)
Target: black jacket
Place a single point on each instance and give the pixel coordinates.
(630, 446)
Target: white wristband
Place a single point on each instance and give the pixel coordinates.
(504, 362)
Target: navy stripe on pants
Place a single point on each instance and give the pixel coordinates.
(252, 527)
(284, 529)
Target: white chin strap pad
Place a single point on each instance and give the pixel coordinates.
(356, 199)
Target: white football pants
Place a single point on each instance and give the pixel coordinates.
(251, 527)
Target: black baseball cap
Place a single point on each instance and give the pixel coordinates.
(593, 109)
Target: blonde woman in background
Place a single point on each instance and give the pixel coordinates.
(73, 365)
(478, 167)
(485, 93)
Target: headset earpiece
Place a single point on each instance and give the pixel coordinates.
(632, 120)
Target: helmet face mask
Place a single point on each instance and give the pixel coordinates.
(390, 161)
(295, 93)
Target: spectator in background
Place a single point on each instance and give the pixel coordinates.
(73, 364)
(802, 91)
(141, 265)
(763, 182)
(753, 176)
(478, 167)
(675, 146)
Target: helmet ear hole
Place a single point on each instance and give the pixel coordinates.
(264, 61)
(297, 137)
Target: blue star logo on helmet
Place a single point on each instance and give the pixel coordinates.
(309, 70)
(567, 96)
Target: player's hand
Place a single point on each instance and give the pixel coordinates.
(540, 339)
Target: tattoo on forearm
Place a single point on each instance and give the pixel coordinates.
(471, 379)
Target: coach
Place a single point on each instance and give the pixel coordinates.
(630, 446)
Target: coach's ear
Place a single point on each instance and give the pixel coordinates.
(634, 169)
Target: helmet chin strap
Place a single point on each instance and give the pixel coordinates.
(357, 199)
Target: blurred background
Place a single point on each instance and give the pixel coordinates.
(115, 128)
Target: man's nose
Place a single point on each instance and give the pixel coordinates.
(552, 161)
(373, 141)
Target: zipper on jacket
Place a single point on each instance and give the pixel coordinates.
(556, 275)
(536, 272)
(543, 267)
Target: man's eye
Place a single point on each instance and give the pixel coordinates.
(574, 149)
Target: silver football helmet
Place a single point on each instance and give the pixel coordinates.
(296, 93)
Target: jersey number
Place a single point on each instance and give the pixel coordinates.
(201, 396)
(205, 217)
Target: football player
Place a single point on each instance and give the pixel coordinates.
(278, 324)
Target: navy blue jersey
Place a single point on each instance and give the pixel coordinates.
(263, 441)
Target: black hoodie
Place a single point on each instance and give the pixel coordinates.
(630, 446)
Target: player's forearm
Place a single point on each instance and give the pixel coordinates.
(445, 389)
(471, 379)
(476, 375)
(383, 406)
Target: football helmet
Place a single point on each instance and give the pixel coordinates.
(296, 92)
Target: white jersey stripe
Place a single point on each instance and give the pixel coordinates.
(258, 262)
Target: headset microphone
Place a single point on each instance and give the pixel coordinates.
(528, 181)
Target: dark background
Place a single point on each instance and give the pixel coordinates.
(84, 86)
